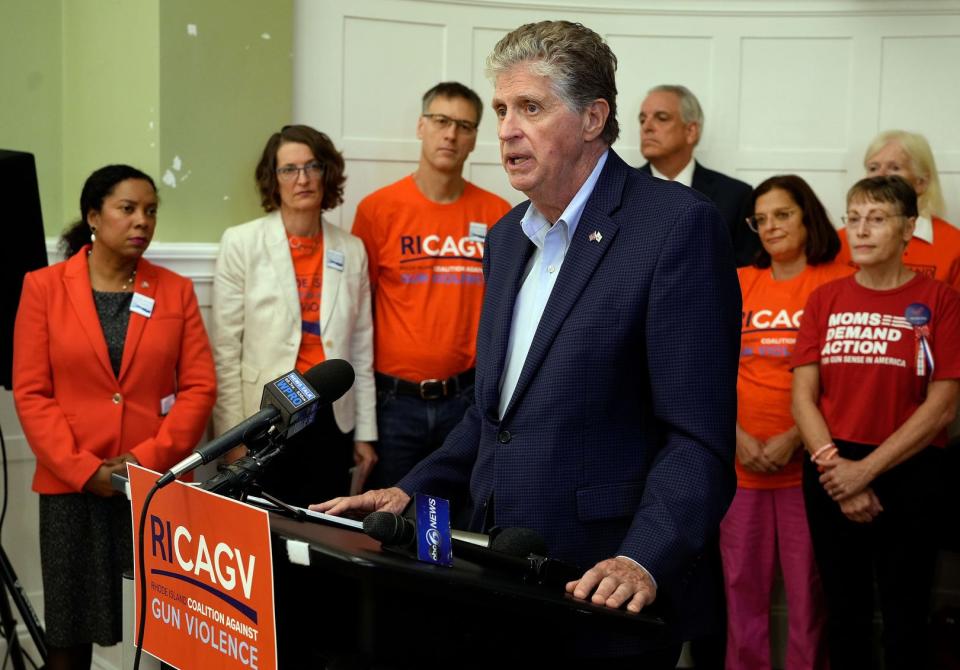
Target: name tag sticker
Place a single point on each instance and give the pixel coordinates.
(335, 259)
(166, 404)
(142, 305)
(478, 231)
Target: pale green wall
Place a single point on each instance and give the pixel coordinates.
(90, 82)
(110, 92)
(31, 90)
(223, 92)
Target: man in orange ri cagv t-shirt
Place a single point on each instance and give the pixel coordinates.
(424, 237)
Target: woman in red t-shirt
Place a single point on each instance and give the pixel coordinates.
(876, 370)
(767, 517)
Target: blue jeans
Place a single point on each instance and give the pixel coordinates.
(410, 429)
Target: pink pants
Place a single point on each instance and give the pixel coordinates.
(761, 525)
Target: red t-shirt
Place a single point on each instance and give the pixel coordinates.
(771, 317)
(940, 260)
(870, 377)
(426, 276)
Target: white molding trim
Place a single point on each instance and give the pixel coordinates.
(158, 251)
(194, 260)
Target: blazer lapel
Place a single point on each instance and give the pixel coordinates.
(145, 284)
(76, 280)
(331, 276)
(278, 250)
(703, 182)
(517, 252)
(579, 265)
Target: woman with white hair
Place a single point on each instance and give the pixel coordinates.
(935, 248)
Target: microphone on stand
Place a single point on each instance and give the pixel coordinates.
(289, 405)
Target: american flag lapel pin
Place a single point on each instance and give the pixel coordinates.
(595, 236)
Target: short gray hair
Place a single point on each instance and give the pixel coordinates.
(581, 66)
(690, 109)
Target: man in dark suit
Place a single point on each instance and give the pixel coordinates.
(671, 122)
(606, 353)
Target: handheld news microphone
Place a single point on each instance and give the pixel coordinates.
(519, 551)
(289, 405)
(397, 530)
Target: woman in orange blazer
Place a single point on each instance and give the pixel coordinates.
(111, 364)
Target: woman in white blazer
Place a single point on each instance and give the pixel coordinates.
(291, 290)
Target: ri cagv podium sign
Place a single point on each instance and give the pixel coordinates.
(209, 585)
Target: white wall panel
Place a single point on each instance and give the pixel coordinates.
(376, 91)
(797, 82)
(915, 72)
(786, 85)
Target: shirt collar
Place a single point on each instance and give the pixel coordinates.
(685, 176)
(535, 225)
(924, 229)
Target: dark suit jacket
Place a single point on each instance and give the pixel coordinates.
(619, 438)
(733, 198)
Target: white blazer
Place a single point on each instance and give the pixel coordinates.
(256, 326)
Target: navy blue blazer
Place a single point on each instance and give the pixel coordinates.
(734, 199)
(620, 436)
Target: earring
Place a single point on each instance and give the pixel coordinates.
(93, 234)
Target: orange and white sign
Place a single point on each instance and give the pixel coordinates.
(209, 578)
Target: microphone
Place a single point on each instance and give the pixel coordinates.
(397, 530)
(516, 550)
(289, 405)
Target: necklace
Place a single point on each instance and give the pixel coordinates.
(129, 282)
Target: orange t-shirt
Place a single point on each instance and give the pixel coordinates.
(771, 317)
(307, 254)
(940, 260)
(426, 277)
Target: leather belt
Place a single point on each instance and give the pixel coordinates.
(427, 389)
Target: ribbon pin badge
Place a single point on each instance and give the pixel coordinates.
(595, 236)
(918, 315)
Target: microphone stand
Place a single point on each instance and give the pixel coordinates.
(233, 480)
(239, 479)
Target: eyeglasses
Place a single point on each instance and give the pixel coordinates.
(755, 223)
(313, 170)
(442, 122)
(872, 222)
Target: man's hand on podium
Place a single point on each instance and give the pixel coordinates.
(380, 500)
(615, 582)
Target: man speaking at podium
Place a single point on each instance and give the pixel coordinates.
(606, 381)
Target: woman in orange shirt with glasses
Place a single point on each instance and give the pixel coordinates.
(767, 518)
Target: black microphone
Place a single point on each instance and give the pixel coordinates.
(515, 550)
(397, 530)
(289, 404)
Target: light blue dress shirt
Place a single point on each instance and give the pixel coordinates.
(551, 242)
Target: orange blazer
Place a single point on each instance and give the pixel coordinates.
(74, 411)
